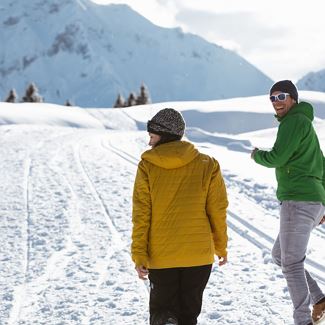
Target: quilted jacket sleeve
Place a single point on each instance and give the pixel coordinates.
(216, 207)
(141, 216)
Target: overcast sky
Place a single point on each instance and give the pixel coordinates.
(284, 39)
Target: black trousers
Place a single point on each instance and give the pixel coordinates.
(177, 293)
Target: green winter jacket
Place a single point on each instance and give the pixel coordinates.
(297, 157)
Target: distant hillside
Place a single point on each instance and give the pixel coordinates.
(313, 81)
(87, 53)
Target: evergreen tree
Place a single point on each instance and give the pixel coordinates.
(11, 98)
(120, 101)
(144, 97)
(132, 100)
(31, 95)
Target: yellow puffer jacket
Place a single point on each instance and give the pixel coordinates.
(179, 208)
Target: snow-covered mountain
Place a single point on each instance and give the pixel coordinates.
(87, 53)
(313, 81)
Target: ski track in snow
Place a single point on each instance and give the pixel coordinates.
(79, 268)
(65, 235)
(20, 293)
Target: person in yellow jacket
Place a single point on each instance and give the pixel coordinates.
(179, 221)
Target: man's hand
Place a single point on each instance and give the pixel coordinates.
(322, 220)
(254, 152)
(142, 272)
(222, 260)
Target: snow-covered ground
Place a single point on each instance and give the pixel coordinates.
(65, 213)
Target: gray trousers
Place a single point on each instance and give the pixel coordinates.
(297, 220)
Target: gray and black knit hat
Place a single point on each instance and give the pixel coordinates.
(286, 86)
(167, 121)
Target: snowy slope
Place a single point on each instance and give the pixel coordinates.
(313, 81)
(65, 222)
(78, 50)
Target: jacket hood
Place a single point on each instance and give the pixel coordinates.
(301, 108)
(171, 155)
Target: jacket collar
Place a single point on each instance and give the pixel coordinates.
(171, 155)
(301, 108)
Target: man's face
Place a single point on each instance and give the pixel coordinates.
(280, 106)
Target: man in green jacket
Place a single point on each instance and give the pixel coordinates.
(299, 167)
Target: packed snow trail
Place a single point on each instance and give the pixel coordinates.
(79, 266)
(65, 234)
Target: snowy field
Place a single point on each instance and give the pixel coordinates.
(65, 213)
